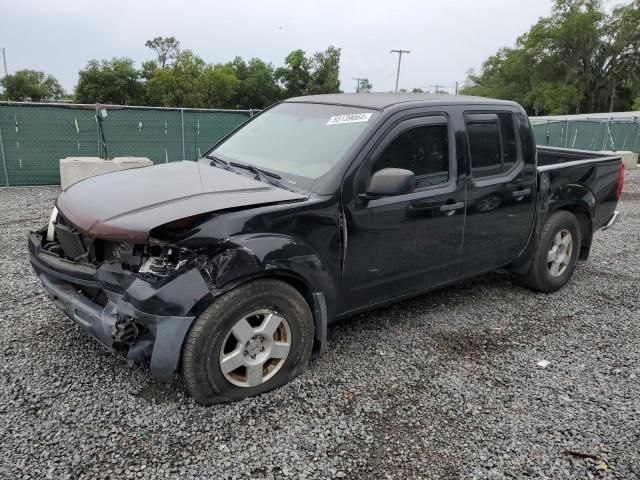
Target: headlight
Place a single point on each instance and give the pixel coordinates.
(50, 228)
(170, 261)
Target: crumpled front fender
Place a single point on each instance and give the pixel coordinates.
(247, 256)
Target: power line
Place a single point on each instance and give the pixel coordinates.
(399, 52)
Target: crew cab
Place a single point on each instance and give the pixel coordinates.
(229, 268)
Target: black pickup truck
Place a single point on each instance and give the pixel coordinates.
(231, 267)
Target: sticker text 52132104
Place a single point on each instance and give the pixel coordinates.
(349, 118)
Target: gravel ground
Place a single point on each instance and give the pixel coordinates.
(442, 386)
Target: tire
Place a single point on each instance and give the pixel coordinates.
(215, 338)
(549, 276)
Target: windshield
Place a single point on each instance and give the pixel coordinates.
(301, 139)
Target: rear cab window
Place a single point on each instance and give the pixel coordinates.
(494, 147)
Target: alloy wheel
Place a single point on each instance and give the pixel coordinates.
(255, 348)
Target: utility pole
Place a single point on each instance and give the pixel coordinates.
(399, 52)
(4, 60)
(456, 87)
(357, 79)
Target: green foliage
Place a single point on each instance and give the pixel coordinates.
(149, 68)
(110, 81)
(161, 88)
(219, 85)
(580, 59)
(31, 85)
(417, 90)
(325, 71)
(258, 87)
(365, 86)
(302, 75)
(180, 78)
(295, 75)
(166, 48)
(180, 85)
(636, 104)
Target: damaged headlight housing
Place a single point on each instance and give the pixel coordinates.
(164, 263)
(169, 261)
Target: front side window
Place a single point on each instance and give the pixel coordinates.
(301, 139)
(493, 146)
(423, 150)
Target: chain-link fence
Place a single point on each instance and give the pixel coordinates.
(35, 136)
(615, 133)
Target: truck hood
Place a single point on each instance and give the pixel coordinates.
(126, 205)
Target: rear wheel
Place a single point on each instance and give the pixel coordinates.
(556, 254)
(251, 340)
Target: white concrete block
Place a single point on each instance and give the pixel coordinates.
(74, 169)
(629, 159)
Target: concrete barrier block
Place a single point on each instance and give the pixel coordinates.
(74, 169)
(629, 159)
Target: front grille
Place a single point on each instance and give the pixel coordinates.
(71, 241)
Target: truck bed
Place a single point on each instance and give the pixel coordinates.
(594, 174)
(554, 156)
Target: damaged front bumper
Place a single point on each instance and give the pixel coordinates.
(128, 315)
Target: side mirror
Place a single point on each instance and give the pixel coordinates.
(389, 182)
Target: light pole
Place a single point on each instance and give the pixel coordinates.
(4, 61)
(399, 52)
(357, 79)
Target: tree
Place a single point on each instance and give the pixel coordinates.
(110, 81)
(580, 59)
(149, 68)
(325, 71)
(160, 89)
(258, 87)
(302, 75)
(364, 86)
(219, 86)
(166, 48)
(417, 90)
(179, 85)
(295, 75)
(636, 104)
(31, 85)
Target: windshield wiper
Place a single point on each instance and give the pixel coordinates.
(222, 163)
(262, 175)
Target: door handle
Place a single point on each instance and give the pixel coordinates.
(451, 206)
(521, 193)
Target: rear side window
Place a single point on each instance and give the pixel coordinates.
(424, 150)
(493, 145)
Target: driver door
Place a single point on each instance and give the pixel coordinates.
(401, 244)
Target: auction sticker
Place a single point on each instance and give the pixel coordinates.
(350, 118)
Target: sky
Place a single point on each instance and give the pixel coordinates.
(446, 37)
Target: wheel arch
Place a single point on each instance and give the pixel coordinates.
(574, 198)
(585, 219)
(250, 257)
(316, 300)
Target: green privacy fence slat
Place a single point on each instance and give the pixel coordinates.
(36, 136)
(605, 134)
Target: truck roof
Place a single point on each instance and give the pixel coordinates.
(385, 100)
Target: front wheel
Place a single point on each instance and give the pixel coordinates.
(250, 340)
(556, 254)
